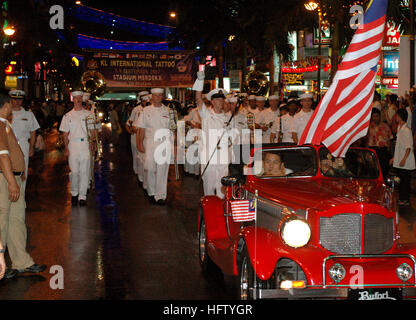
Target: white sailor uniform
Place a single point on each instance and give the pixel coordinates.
(134, 116)
(79, 159)
(156, 164)
(300, 121)
(218, 167)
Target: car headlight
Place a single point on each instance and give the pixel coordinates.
(404, 272)
(337, 272)
(296, 233)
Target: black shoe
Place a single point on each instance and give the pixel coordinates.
(10, 273)
(74, 200)
(82, 203)
(152, 200)
(161, 202)
(36, 268)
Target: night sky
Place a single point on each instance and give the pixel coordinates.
(156, 11)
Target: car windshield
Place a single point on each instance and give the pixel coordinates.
(358, 164)
(292, 162)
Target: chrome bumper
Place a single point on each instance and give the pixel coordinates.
(324, 294)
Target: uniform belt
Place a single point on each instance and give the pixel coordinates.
(80, 139)
(16, 173)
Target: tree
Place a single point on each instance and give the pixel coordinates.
(257, 26)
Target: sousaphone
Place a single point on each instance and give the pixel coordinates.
(256, 83)
(93, 82)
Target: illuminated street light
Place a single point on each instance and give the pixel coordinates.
(9, 31)
(78, 2)
(173, 14)
(311, 5)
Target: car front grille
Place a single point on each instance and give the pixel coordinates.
(342, 233)
(378, 234)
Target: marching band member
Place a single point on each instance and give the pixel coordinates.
(214, 152)
(77, 148)
(24, 125)
(267, 117)
(252, 105)
(132, 130)
(301, 118)
(152, 119)
(193, 121)
(284, 125)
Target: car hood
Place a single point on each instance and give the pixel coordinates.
(321, 194)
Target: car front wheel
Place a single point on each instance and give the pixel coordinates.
(204, 259)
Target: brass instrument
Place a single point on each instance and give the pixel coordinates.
(92, 125)
(93, 82)
(173, 126)
(256, 83)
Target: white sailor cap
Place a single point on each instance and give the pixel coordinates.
(243, 94)
(233, 100)
(273, 97)
(146, 97)
(283, 105)
(216, 93)
(291, 100)
(77, 93)
(143, 93)
(17, 94)
(260, 98)
(252, 97)
(157, 90)
(306, 96)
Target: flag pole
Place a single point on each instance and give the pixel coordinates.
(255, 246)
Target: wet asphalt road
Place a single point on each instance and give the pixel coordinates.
(119, 246)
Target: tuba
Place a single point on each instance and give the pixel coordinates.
(256, 83)
(93, 82)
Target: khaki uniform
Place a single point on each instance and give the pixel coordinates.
(12, 214)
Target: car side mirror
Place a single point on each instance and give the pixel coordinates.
(229, 181)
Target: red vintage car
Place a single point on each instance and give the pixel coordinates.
(325, 228)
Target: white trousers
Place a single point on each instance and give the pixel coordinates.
(134, 153)
(212, 179)
(80, 165)
(140, 168)
(157, 181)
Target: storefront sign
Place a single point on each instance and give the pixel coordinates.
(293, 79)
(142, 68)
(390, 64)
(10, 82)
(390, 81)
(392, 34)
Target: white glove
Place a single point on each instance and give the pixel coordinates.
(199, 82)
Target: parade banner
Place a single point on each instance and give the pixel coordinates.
(142, 69)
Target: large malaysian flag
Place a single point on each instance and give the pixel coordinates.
(344, 113)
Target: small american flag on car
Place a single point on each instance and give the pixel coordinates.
(243, 210)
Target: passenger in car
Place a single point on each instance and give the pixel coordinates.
(273, 165)
(326, 168)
